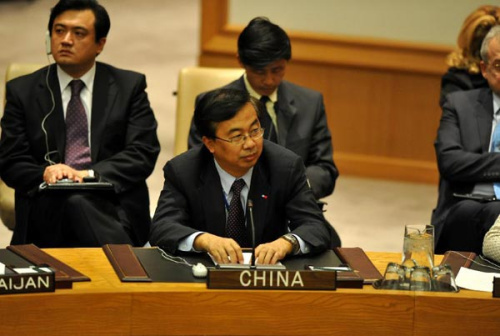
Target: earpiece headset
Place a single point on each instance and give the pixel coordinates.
(199, 270)
(52, 98)
(48, 48)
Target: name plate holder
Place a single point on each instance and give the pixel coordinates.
(17, 283)
(496, 287)
(277, 279)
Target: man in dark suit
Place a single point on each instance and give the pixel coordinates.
(468, 159)
(113, 140)
(195, 207)
(295, 115)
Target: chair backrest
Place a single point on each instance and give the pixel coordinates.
(19, 69)
(7, 213)
(193, 81)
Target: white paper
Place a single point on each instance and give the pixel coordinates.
(247, 260)
(27, 270)
(2, 269)
(475, 280)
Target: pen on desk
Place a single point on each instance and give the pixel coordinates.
(330, 268)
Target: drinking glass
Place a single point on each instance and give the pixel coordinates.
(444, 279)
(394, 276)
(420, 279)
(418, 246)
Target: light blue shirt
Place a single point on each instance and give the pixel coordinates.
(487, 188)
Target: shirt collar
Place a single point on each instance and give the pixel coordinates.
(87, 78)
(227, 179)
(273, 97)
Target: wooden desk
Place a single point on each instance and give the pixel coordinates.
(105, 306)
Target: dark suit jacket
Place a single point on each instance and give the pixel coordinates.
(192, 200)
(302, 129)
(124, 144)
(460, 80)
(462, 149)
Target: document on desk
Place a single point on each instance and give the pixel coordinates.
(247, 260)
(475, 280)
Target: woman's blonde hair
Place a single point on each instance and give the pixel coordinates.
(474, 29)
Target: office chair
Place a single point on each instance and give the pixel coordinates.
(193, 81)
(7, 213)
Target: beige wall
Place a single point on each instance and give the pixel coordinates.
(425, 21)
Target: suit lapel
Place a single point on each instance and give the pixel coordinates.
(212, 198)
(54, 124)
(260, 195)
(103, 99)
(285, 111)
(484, 116)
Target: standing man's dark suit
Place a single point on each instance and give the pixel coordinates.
(303, 129)
(192, 200)
(124, 145)
(464, 159)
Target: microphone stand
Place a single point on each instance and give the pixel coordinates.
(252, 226)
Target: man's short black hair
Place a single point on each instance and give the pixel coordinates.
(102, 22)
(262, 42)
(221, 105)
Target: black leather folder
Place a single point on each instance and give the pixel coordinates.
(69, 186)
(161, 270)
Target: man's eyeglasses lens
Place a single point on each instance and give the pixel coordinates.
(239, 139)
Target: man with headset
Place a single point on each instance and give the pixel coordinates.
(79, 119)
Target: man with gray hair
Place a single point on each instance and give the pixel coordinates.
(468, 155)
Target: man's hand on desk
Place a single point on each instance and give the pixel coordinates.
(271, 253)
(223, 250)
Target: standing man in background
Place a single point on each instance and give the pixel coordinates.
(79, 119)
(295, 116)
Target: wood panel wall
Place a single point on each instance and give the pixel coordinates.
(381, 96)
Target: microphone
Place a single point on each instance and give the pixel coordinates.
(252, 226)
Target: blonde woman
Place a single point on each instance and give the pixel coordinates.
(464, 73)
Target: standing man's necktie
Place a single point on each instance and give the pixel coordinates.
(235, 216)
(266, 121)
(77, 153)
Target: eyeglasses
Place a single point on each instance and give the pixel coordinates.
(240, 139)
(495, 66)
